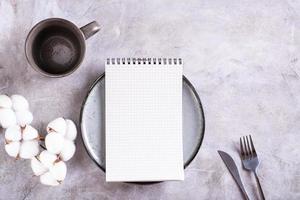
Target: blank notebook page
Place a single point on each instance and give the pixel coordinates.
(143, 121)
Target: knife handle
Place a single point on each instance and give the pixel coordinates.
(245, 194)
(241, 186)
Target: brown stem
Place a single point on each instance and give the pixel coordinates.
(40, 137)
(7, 141)
(22, 128)
(51, 130)
(57, 160)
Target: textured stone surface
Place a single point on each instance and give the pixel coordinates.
(242, 57)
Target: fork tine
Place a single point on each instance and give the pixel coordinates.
(245, 148)
(242, 150)
(252, 146)
(248, 146)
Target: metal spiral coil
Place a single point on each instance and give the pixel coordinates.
(139, 61)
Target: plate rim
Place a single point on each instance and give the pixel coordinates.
(184, 79)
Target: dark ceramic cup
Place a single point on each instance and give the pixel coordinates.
(56, 47)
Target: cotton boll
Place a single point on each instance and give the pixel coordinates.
(30, 133)
(37, 167)
(59, 171)
(24, 117)
(29, 149)
(13, 133)
(12, 149)
(58, 125)
(7, 117)
(68, 150)
(19, 103)
(47, 158)
(71, 132)
(5, 101)
(48, 179)
(54, 142)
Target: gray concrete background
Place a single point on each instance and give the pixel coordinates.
(242, 57)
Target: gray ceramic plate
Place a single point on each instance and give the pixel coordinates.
(92, 120)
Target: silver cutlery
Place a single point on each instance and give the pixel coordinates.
(249, 159)
(230, 164)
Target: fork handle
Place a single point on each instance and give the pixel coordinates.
(259, 186)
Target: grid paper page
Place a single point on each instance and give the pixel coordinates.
(143, 122)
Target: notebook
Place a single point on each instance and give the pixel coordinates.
(143, 99)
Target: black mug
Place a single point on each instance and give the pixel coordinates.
(56, 47)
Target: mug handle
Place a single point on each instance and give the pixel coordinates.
(90, 29)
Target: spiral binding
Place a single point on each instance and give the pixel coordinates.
(138, 61)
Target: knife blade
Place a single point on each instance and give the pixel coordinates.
(231, 166)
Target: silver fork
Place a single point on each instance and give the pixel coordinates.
(250, 160)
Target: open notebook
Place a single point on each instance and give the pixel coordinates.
(143, 99)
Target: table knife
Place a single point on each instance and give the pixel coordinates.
(231, 166)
